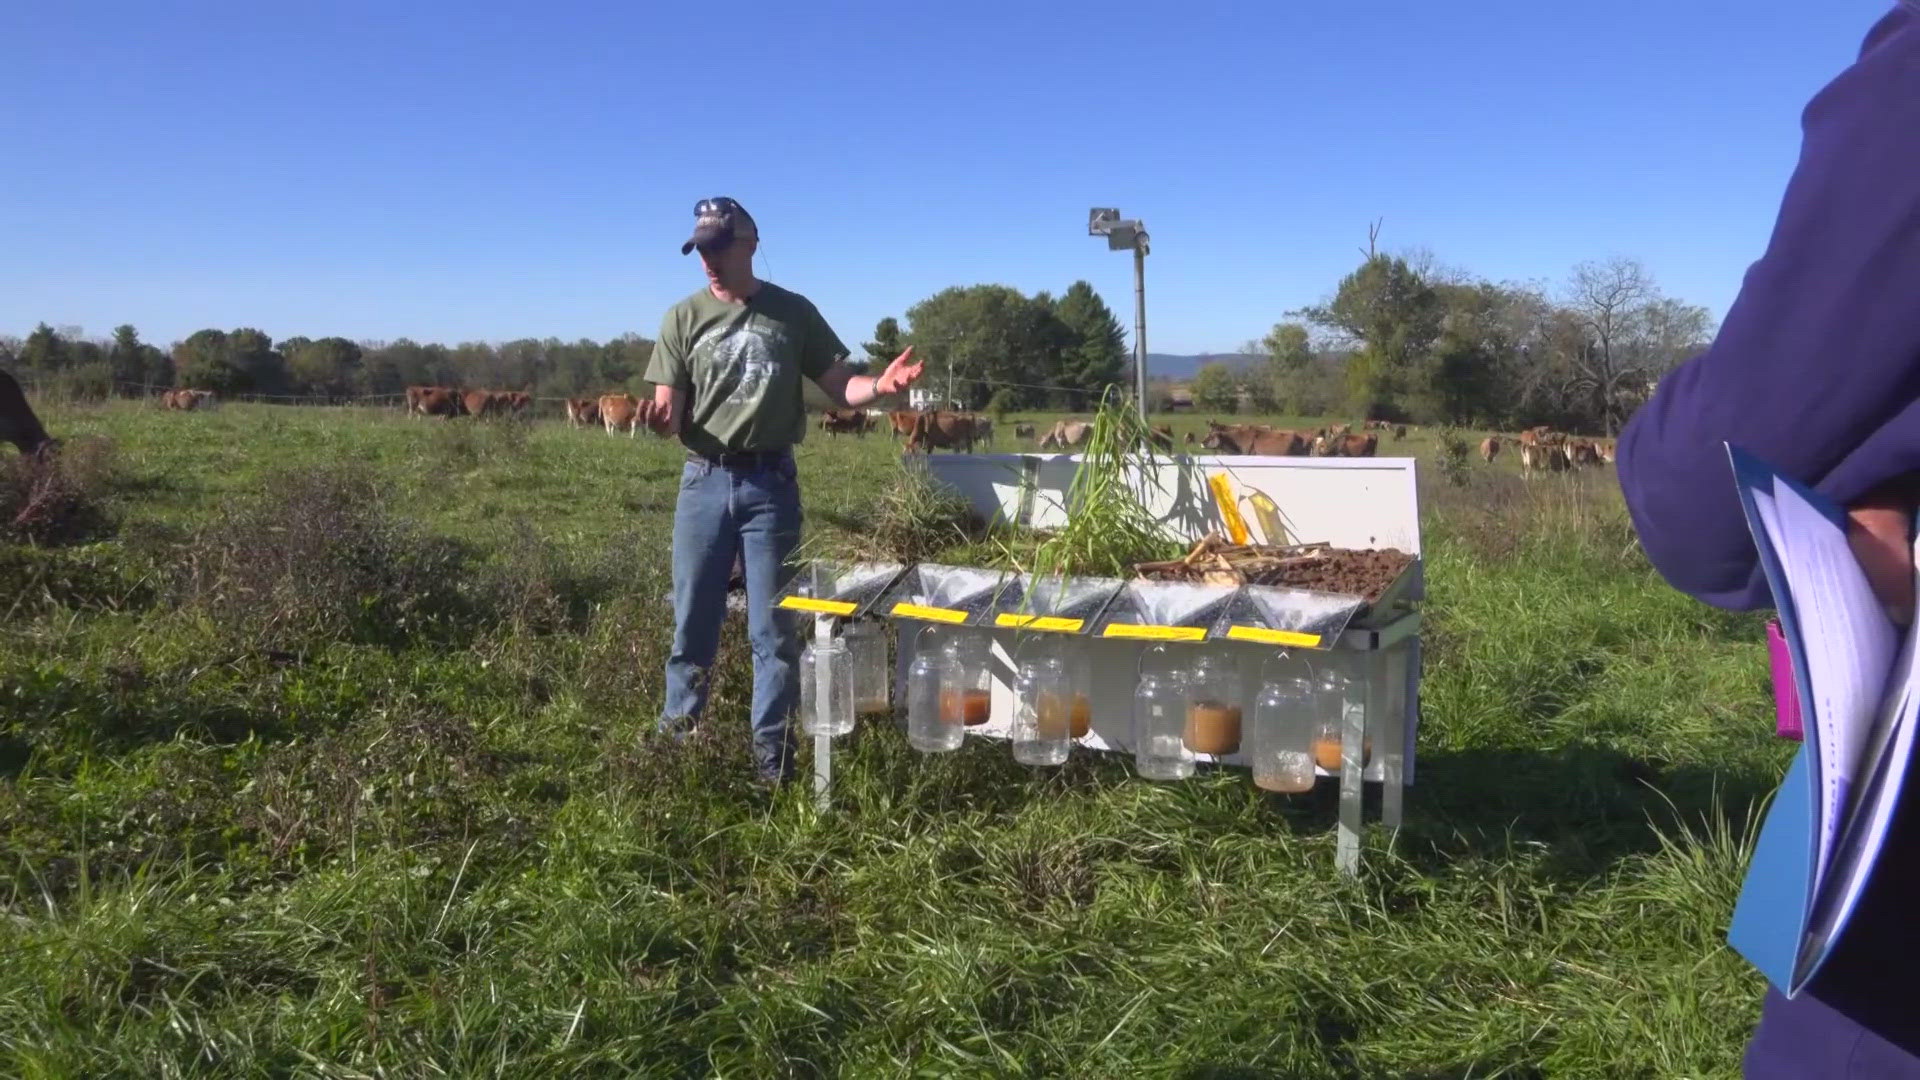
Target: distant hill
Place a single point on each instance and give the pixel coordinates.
(1180, 368)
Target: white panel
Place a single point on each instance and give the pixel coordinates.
(1346, 502)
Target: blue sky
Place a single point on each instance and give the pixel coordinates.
(459, 172)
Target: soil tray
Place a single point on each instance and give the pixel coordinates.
(1368, 575)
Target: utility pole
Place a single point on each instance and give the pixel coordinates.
(1122, 235)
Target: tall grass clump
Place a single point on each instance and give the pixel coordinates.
(913, 519)
(1108, 527)
(317, 556)
(59, 496)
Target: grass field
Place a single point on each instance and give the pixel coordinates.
(331, 756)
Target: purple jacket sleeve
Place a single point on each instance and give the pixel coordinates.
(1816, 368)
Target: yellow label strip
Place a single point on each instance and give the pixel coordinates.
(1155, 633)
(934, 614)
(825, 607)
(1272, 637)
(1040, 622)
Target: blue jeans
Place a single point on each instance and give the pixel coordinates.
(752, 511)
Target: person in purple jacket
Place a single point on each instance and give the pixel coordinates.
(1816, 369)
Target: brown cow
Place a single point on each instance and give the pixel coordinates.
(902, 421)
(1189, 439)
(1489, 446)
(1582, 452)
(1066, 434)
(1399, 432)
(440, 401)
(582, 411)
(1348, 445)
(1543, 449)
(937, 430)
(1606, 450)
(1022, 431)
(186, 400)
(982, 428)
(620, 412)
(835, 421)
(18, 425)
(1256, 439)
(1161, 436)
(480, 403)
(515, 402)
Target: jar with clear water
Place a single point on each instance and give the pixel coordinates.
(872, 675)
(929, 728)
(1160, 718)
(1338, 695)
(966, 679)
(826, 688)
(1213, 705)
(1280, 740)
(1042, 727)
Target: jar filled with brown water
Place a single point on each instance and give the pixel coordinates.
(1213, 706)
(1337, 695)
(966, 682)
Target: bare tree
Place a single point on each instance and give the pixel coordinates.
(1624, 335)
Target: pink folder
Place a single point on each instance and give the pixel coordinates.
(1786, 700)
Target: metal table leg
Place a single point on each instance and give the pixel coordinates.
(1353, 732)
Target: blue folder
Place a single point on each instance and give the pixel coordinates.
(1774, 918)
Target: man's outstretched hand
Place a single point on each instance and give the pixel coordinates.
(899, 375)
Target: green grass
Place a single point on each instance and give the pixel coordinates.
(234, 843)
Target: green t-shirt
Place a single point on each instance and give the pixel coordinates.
(740, 366)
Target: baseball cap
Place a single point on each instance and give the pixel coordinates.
(717, 221)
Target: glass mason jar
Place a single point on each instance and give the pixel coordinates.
(1213, 705)
(966, 682)
(1160, 719)
(1280, 742)
(828, 665)
(872, 681)
(1337, 695)
(1079, 665)
(929, 730)
(1042, 712)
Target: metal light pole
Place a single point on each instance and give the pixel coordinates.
(1121, 235)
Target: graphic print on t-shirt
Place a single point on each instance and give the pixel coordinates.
(740, 362)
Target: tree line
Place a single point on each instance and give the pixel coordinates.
(1401, 337)
(979, 341)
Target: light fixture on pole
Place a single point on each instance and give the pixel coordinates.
(1123, 235)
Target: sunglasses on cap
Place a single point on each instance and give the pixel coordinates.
(716, 206)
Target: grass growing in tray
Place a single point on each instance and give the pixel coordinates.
(447, 845)
(1108, 527)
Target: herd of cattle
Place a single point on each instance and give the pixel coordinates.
(1543, 449)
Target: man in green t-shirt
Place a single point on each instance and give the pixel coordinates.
(726, 372)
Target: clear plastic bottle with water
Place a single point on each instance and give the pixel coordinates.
(1280, 741)
(929, 729)
(1160, 718)
(827, 707)
(1042, 711)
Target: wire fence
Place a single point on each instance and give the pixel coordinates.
(398, 398)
